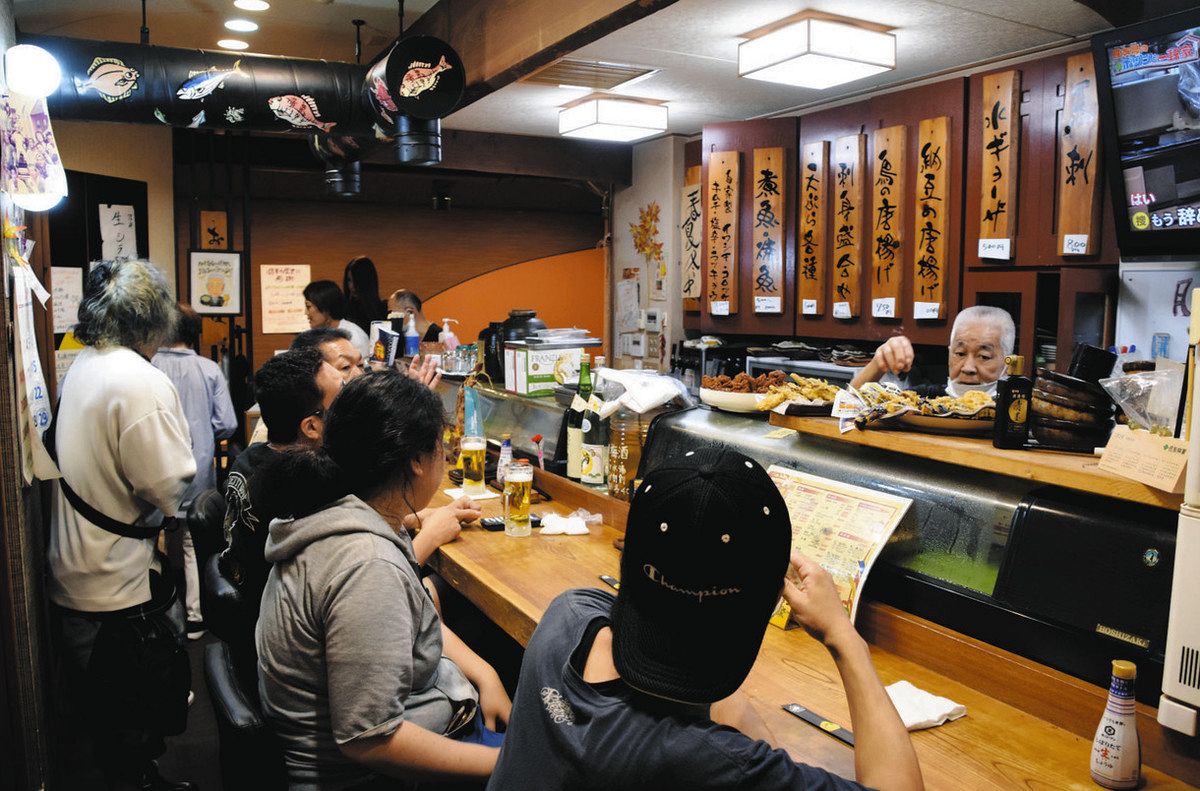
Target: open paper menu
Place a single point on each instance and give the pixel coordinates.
(840, 526)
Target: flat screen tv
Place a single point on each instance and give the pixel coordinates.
(1148, 79)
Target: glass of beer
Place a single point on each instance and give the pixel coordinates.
(474, 456)
(517, 484)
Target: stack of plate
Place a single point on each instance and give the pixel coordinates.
(1069, 413)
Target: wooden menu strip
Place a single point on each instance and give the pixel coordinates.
(932, 215)
(721, 211)
(766, 229)
(691, 238)
(887, 223)
(814, 218)
(999, 157)
(1079, 177)
(849, 177)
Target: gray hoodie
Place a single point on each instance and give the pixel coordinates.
(349, 642)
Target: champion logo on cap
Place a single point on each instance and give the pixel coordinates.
(656, 576)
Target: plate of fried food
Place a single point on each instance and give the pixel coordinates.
(801, 395)
(745, 393)
(885, 406)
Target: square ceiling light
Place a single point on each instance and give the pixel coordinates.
(817, 53)
(612, 118)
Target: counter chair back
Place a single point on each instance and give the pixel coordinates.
(250, 754)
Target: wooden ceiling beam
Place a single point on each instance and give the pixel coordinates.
(501, 41)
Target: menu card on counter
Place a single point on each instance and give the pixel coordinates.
(1146, 458)
(840, 526)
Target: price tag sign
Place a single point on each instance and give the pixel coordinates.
(1075, 244)
(768, 304)
(884, 308)
(841, 310)
(927, 310)
(995, 248)
(719, 308)
(809, 307)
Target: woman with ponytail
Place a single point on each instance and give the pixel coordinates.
(357, 674)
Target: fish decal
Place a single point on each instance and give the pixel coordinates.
(110, 78)
(159, 115)
(201, 83)
(381, 135)
(235, 115)
(421, 77)
(299, 111)
(196, 120)
(383, 96)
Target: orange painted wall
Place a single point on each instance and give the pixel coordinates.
(566, 291)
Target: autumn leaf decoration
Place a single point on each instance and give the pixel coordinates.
(645, 235)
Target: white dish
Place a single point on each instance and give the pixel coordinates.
(730, 402)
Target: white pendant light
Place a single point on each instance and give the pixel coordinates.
(241, 25)
(31, 71)
(252, 5)
(37, 201)
(232, 43)
(816, 53)
(612, 118)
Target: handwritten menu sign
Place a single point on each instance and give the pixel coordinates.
(849, 158)
(814, 211)
(1000, 155)
(691, 238)
(888, 222)
(1079, 180)
(767, 230)
(932, 218)
(66, 294)
(118, 232)
(721, 231)
(283, 298)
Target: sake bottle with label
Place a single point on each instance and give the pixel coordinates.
(575, 418)
(1013, 399)
(1117, 750)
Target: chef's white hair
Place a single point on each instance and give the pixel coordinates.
(126, 303)
(997, 317)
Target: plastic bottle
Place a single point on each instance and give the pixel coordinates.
(1117, 749)
(412, 340)
(447, 337)
(624, 451)
(506, 457)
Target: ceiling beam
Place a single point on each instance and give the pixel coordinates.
(501, 41)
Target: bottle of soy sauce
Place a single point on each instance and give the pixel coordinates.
(1013, 398)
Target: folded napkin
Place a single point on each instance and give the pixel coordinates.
(555, 525)
(920, 709)
(457, 493)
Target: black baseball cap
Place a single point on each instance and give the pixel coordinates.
(706, 549)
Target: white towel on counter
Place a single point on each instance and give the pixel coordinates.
(920, 709)
(555, 525)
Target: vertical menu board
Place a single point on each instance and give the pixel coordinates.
(1079, 182)
(849, 158)
(721, 229)
(932, 218)
(887, 231)
(767, 230)
(691, 237)
(1000, 154)
(814, 212)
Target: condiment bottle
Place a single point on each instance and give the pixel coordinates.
(1117, 749)
(412, 340)
(575, 418)
(506, 457)
(1013, 397)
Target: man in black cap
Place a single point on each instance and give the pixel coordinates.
(638, 691)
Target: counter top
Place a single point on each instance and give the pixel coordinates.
(997, 745)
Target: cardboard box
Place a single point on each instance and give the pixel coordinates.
(535, 370)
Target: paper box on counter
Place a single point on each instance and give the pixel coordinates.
(535, 369)
(1146, 458)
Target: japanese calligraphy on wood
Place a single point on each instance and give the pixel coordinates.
(931, 218)
(691, 237)
(214, 230)
(766, 230)
(1079, 181)
(814, 213)
(721, 232)
(887, 222)
(1000, 152)
(849, 161)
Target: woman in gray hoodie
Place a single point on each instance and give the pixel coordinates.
(358, 675)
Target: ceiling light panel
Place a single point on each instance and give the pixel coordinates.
(241, 25)
(252, 5)
(619, 120)
(232, 43)
(817, 53)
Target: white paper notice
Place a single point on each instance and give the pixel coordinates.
(841, 310)
(629, 305)
(995, 248)
(63, 358)
(809, 307)
(283, 298)
(768, 304)
(927, 310)
(1075, 244)
(66, 295)
(719, 308)
(118, 234)
(884, 308)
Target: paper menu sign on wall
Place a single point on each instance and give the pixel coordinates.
(65, 296)
(118, 231)
(282, 288)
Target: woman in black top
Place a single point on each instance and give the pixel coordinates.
(361, 286)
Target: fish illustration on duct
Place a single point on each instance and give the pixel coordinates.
(383, 96)
(111, 78)
(197, 119)
(381, 135)
(421, 77)
(299, 111)
(235, 115)
(202, 83)
(161, 117)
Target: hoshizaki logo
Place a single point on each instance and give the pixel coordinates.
(656, 576)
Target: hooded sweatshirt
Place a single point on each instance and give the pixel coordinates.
(349, 642)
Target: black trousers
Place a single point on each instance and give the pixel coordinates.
(129, 677)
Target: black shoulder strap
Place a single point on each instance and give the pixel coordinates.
(80, 505)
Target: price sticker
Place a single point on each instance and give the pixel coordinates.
(884, 308)
(719, 308)
(808, 307)
(995, 248)
(768, 304)
(841, 310)
(781, 433)
(1075, 244)
(927, 310)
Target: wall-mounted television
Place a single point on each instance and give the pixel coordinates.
(1148, 79)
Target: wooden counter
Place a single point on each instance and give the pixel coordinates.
(997, 745)
(1072, 470)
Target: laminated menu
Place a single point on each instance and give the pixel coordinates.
(840, 526)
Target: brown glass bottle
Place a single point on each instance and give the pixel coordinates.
(1013, 398)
